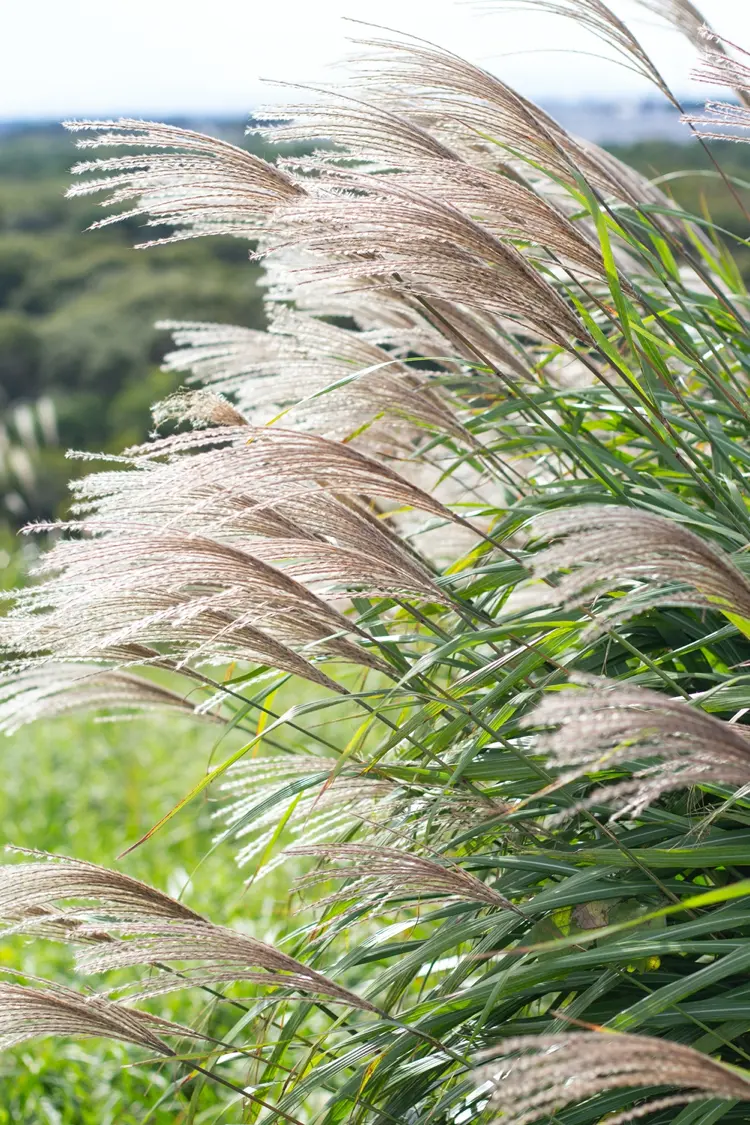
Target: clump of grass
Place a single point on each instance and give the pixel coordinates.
(377, 561)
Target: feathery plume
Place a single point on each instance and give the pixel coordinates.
(93, 905)
(464, 105)
(389, 317)
(541, 1074)
(391, 873)
(509, 209)
(201, 599)
(720, 68)
(32, 1013)
(296, 361)
(283, 464)
(607, 724)
(31, 889)
(200, 408)
(209, 496)
(222, 357)
(335, 803)
(173, 563)
(197, 184)
(414, 243)
(458, 102)
(59, 689)
(342, 570)
(218, 955)
(606, 547)
(372, 134)
(399, 320)
(721, 119)
(427, 166)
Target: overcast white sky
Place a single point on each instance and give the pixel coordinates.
(158, 57)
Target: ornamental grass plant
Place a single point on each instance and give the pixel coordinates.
(451, 559)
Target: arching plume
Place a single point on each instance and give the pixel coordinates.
(388, 873)
(121, 922)
(293, 364)
(197, 184)
(534, 1076)
(416, 244)
(58, 689)
(720, 68)
(33, 1013)
(607, 547)
(608, 724)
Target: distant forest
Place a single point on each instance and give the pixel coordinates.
(77, 311)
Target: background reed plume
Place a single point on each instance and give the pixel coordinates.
(450, 562)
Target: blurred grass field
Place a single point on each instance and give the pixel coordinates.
(88, 789)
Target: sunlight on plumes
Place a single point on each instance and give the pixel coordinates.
(450, 559)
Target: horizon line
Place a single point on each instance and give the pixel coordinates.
(235, 115)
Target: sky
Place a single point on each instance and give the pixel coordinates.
(87, 58)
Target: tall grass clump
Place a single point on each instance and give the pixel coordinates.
(451, 558)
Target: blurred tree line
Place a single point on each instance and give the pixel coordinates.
(77, 314)
(77, 311)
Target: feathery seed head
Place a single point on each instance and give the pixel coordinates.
(606, 547)
(463, 104)
(199, 408)
(31, 1013)
(49, 880)
(197, 184)
(537, 1075)
(142, 926)
(415, 244)
(297, 365)
(372, 134)
(390, 873)
(51, 690)
(607, 724)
